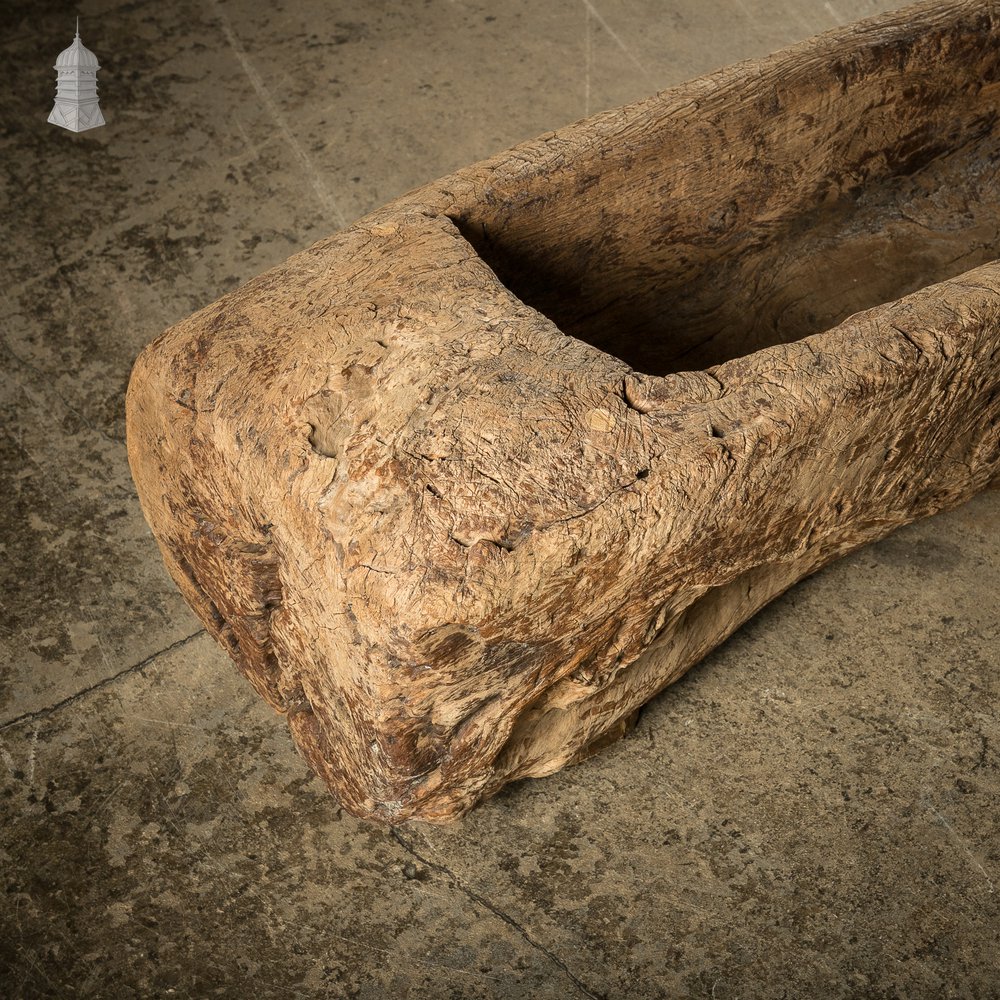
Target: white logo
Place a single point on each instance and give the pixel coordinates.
(76, 106)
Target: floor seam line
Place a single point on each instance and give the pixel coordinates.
(42, 713)
(495, 910)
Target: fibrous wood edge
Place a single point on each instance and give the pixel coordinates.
(457, 547)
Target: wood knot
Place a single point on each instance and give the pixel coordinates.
(601, 420)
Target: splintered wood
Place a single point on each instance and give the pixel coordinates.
(464, 485)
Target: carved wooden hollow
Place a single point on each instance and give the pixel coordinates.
(464, 485)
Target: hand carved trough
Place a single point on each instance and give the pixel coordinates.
(464, 485)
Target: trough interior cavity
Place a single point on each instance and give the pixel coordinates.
(701, 306)
(670, 273)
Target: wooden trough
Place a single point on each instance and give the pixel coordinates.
(464, 485)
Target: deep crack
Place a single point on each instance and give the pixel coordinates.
(496, 911)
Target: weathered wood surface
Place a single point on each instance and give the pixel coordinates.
(456, 546)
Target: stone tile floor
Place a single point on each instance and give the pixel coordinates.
(812, 812)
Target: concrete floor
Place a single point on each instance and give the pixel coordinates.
(812, 812)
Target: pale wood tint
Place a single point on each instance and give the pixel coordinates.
(457, 546)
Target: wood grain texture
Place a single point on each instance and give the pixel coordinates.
(464, 485)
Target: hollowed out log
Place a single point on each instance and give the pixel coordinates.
(464, 485)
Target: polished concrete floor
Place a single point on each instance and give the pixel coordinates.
(812, 812)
